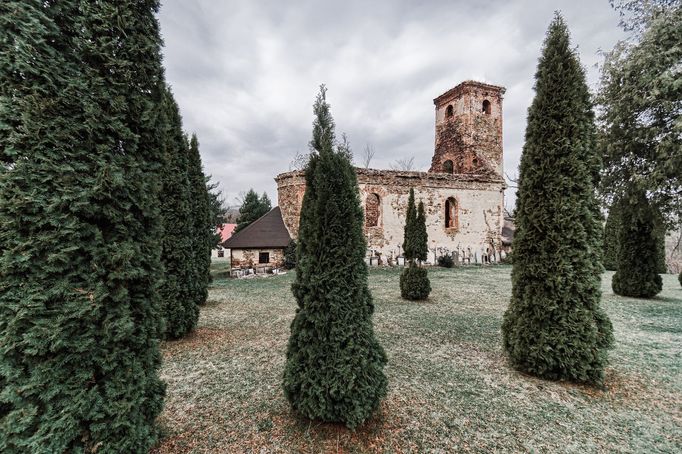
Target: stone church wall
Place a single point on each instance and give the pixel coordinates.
(462, 192)
(478, 201)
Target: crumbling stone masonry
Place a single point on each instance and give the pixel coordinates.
(469, 130)
(462, 192)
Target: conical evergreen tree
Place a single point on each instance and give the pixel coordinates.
(611, 237)
(253, 207)
(638, 255)
(178, 294)
(410, 246)
(414, 280)
(79, 226)
(554, 326)
(422, 237)
(334, 367)
(203, 228)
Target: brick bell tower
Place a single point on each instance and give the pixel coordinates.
(469, 130)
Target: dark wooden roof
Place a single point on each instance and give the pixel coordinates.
(268, 231)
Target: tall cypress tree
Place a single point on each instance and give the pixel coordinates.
(554, 326)
(203, 228)
(638, 254)
(410, 232)
(334, 367)
(178, 293)
(422, 237)
(414, 280)
(79, 226)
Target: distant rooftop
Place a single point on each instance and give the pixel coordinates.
(268, 231)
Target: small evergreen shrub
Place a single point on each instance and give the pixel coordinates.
(414, 283)
(446, 261)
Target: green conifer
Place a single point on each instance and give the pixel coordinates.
(638, 255)
(253, 207)
(79, 226)
(410, 233)
(334, 367)
(422, 250)
(203, 228)
(414, 280)
(612, 239)
(178, 293)
(554, 326)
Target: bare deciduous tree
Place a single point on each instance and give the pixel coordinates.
(299, 162)
(367, 156)
(403, 164)
(511, 180)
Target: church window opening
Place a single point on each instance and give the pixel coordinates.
(448, 167)
(451, 214)
(486, 107)
(372, 210)
(450, 111)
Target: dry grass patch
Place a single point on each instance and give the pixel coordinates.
(450, 387)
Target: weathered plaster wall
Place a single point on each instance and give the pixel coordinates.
(249, 257)
(479, 203)
(479, 225)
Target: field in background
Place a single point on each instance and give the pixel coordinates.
(450, 388)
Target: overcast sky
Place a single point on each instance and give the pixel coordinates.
(245, 73)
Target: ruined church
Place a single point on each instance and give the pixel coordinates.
(463, 191)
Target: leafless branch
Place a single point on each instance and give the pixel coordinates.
(300, 160)
(403, 164)
(367, 155)
(512, 180)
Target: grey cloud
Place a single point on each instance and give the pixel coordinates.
(245, 74)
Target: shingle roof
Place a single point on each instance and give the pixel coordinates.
(268, 231)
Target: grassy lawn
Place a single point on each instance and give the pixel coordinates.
(450, 388)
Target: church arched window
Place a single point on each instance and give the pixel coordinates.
(450, 111)
(448, 167)
(486, 107)
(372, 210)
(451, 213)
